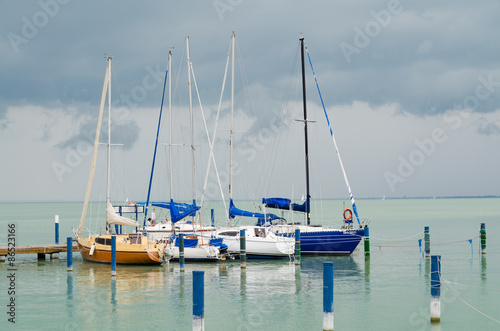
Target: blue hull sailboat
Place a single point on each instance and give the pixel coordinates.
(315, 239)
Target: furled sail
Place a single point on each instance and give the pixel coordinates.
(114, 218)
(282, 203)
(233, 212)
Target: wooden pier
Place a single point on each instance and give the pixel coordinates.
(40, 250)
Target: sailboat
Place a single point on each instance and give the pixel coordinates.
(315, 239)
(132, 248)
(196, 247)
(260, 242)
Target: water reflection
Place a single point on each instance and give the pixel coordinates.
(298, 279)
(367, 276)
(113, 293)
(483, 268)
(69, 294)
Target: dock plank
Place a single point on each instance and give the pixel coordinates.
(38, 249)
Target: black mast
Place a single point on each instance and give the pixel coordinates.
(305, 132)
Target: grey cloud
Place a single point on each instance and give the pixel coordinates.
(487, 128)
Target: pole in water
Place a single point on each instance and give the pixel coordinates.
(181, 251)
(297, 246)
(57, 228)
(328, 296)
(198, 300)
(113, 255)
(212, 217)
(483, 238)
(435, 288)
(367, 243)
(243, 249)
(69, 251)
(427, 239)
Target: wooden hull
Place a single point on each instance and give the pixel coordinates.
(126, 253)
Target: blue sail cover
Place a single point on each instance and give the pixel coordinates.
(282, 203)
(178, 210)
(233, 211)
(188, 242)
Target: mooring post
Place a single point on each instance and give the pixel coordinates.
(367, 243)
(427, 239)
(212, 217)
(69, 251)
(56, 224)
(435, 288)
(243, 249)
(181, 251)
(328, 296)
(113, 255)
(198, 300)
(297, 246)
(483, 238)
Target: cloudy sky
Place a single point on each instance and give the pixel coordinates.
(412, 88)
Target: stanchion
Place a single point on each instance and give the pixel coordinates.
(243, 249)
(483, 238)
(297, 246)
(328, 296)
(367, 243)
(181, 252)
(427, 239)
(435, 288)
(113, 255)
(69, 251)
(198, 300)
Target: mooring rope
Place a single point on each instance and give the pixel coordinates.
(468, 304)
(446, 243)
(484, 288)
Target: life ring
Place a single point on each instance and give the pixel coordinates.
(347, 214)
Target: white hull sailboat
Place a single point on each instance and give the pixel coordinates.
(166, 232)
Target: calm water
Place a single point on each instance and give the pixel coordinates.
(391, 292)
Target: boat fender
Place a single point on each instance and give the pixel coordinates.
(92, 249)
(347, 214)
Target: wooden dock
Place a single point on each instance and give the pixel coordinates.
(41, 250)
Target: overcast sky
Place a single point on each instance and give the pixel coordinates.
(412, 89)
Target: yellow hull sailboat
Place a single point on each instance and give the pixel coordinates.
(132, 248)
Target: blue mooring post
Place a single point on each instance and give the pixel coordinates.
(57, 228)
(367, 243)
(69, 251)
(328, 296)
(483, 238)
(427, 240)
(435, 288)
(181, 251)
(297, 246)
(212, 217)
(198, 300)
(243, 249)
(113, 255)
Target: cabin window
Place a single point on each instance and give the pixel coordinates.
(229, 233)
(260, 232)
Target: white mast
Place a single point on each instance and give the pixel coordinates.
(231, 129)
(170, 119)
(108, 175)
(190, 115)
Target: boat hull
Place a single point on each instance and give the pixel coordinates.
(125, 253)
(319, 240)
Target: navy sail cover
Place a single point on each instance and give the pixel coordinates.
(282, 203)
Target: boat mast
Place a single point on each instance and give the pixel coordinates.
(231, 129)
(170, 119)
(305, 131)
(191, 116)
(108, 175)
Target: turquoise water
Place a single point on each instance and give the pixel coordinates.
(390, 292)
